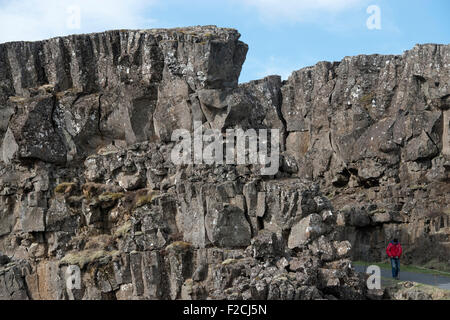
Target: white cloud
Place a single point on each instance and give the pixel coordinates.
(276, 67)
(300, 10)
(40, 19)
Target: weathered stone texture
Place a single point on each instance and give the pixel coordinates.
(86, 177)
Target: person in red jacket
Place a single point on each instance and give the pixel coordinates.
(394, 251)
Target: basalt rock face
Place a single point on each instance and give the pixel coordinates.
(76, 93)
(88, 182)
(373, 130)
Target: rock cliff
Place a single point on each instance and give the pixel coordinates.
(87, 178)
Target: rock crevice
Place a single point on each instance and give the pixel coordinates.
(87, 180)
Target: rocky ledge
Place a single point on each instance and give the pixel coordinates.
(87, 181)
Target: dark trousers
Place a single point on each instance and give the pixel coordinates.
(395, 264)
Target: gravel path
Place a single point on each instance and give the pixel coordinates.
(442, 282)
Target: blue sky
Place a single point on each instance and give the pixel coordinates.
(283, 36)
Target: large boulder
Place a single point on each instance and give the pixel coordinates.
(227, 227)
(306, 230)
(33, 133)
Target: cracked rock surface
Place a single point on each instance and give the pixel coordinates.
(86, 177)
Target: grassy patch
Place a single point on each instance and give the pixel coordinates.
(64, 188)
(179, 246)
(418, 187)
(70, 91)
(83, 258)
(17, 99)
(46, 88)
(389, 282)
(435, 264)
(378, 211)
(404, 267)
(229, 261)
(99, 242)
(123, 230)
(435, 292)
(400, 290)
(110, 196)
(145, 199)
(331, 195)
(92, 190)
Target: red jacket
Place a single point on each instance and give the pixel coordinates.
(394, 250)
